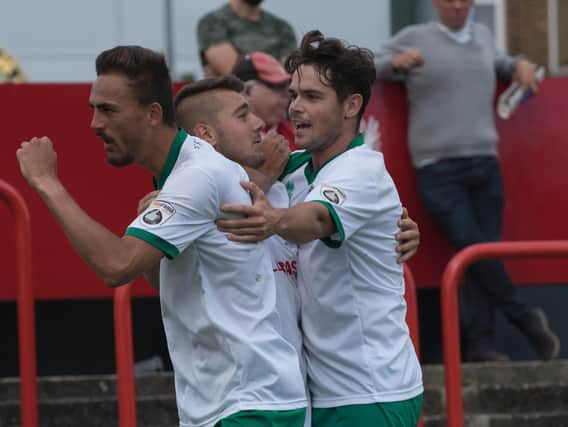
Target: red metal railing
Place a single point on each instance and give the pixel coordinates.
(412, 308)
(412, 314)
(25, 299)
(124, 357)
(450, 322)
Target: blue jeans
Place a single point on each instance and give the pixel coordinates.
(464, 196)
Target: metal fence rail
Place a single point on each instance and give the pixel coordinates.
(450, 323)
(25, 301)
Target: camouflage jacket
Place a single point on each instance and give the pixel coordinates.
(270, 34)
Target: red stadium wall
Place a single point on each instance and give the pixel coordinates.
(533, 152)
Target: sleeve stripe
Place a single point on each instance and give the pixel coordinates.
(326, 240)
(169, 250)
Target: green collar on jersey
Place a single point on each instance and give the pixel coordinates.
(171, 159)
(297, 160)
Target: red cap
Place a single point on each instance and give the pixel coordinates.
(261, 66)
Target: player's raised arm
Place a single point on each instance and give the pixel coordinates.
(114, 259)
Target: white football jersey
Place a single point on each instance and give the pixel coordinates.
(284, 265)
(217, 297)
(353, 309)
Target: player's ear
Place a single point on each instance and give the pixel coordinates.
(155, 114)
(352, 105)
(205, 132)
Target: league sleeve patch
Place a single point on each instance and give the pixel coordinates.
(158, 213)
(333, 194)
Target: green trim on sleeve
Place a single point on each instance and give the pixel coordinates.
(334, 244)
(172, 158)
(296, 161)
(169, 250)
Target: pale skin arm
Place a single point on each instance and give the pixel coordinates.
(151, 275)
(221, 59)
(300, 224)
(116, 260)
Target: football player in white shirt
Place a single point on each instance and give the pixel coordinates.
(231, 363)
(204, 108)
(362, 367)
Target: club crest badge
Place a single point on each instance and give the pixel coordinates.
(158, 213)
(333, 194)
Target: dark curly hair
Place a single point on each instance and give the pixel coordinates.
(347, 69)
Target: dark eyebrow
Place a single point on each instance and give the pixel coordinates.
(243, 108)
(101, 105)
(305, 91)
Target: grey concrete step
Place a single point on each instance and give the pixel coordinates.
(96, 386)
(156, 410)
(525, 389)
(474, 374)
(521, 399)
(501, 373)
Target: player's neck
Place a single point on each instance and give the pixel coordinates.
(245, 11)
(157, 150)
(333, 149)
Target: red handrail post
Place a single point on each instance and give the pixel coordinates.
(124, 356)
(450, 332)
(412, 313)
(450, 322)
(25, 299)
(412, 308)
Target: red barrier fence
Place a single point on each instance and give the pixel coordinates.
(450, 322)
(124, 356)
(532, 152)
(412, 308)
(412, 313)
(25, 299)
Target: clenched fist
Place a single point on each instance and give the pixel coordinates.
(38, 161)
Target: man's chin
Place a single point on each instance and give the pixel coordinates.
(256, 161)
(118, 161)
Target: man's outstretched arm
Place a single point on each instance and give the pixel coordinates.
(116, 260)
(299, 224)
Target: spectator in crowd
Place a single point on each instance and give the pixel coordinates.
(266, 88)
(449, 68)
(10, 70)
(238, 27)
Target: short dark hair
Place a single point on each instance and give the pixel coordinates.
(148, 73)
(202, 104)
(347, 69)
(231, 83)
